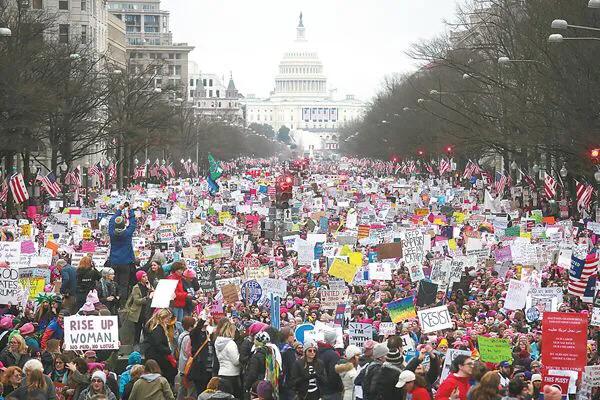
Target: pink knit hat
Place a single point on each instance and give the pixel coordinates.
(139, 275)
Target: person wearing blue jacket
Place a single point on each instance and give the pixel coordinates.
(122, 259)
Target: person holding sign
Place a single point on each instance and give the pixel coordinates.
(157, 346)
(121, 257)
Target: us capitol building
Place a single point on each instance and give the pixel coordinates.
(301, 101)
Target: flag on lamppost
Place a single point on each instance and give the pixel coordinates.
(584, 195)
(49, 183)
(4, 191)
(549, 186)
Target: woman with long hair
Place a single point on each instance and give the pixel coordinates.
(151, 384)
(420, 389)
(202, 348)
(35, 388)
(229, 357)
(488, 388)
(87, 278)
(308, 374)
(59, 372)
(16, 353)
(11, 379)
(157, 345)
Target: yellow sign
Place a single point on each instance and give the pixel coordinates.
(343, 270)
(345, 250)
(87, 234)
(421, 211)
(452, 244)
(224, 216)
(526, 235)
(35, 285)
(356, 258)
(26, 230)
(459, 217)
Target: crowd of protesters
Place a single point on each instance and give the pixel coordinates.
(204, 347)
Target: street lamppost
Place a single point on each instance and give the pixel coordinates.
(563, 25)
(506, 60)
(558, 38)
(5, 32)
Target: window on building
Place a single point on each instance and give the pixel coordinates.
(210, 82)
(83, 5)
(171, 56)
(63, 33)
(191, 82)
(84, 34)
(63, 4)
(219, 104)
(217, 93)
(178, 56)
(37, 4)
(151, 23)
(203, 82)
(197, 82)
(210, 93)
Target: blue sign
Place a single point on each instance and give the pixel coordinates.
(275, 312)
(251, 292)
(301, 330)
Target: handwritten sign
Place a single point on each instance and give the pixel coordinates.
(494, 350)
(9, 285)
(359, 333)
(434, 319)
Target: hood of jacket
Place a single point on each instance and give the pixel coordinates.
(221, 342)
(214, 395)
(150, 377)
(392, 366)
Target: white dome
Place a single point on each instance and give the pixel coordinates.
(300, 70)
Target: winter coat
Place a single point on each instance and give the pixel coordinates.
(210, 395)
(329, 357)
(9, 359)
(370, 371)
(156, 347)
(53, 331)
(300, 376)
(121, 246)
(105, 289)
(383, 385)
(420, 393)
(151, 386)
(452, 382)
(202, 364)
(180, 293)
(228, 355)
(86, 280)
(137, 301)
(87, 394)
(256, 367)
(68, 275)
(348, 373)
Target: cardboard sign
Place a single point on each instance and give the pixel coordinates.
(230, 294)
(565, 338)
(389, 250)
(412, 248)
(275, 287)
(359, 333)
(9, 285)
(435, 319)
(387, 328)
(494, 350)
(343, 270)
(91, 332)
(560, 382)
(331, 298)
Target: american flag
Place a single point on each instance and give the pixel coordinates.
(549, 186)
(49, 183)
(171, 170)
(501, 182)
(486, 177)
(74, 177)
(429, 168)
(469, 170)
(195, 169)
(165, 171)
(584, 195)
(444, 166)
(580, 277)
(94, 169)
(111, 171)
(154, 169)
(4, 191)
(529, 180)
(140, 172)
(187, 165)
(18, 189)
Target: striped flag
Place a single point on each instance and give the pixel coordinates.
(171, 170)
(549, 186)
(17, 188)
(584, 195)
(165, 171)
(111, 171)
(529, 180)
(364, 231)
(74, 177)
(140, 172)
(444, 166)
(195, 168)
(469, 170)
(587, 274)
(501, 182)
(154, 170)
(49, 184)
(4, 191)
(94, 169)
(429, 168)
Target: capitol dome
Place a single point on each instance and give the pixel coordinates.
(300, 70)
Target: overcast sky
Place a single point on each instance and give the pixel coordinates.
(358, 41)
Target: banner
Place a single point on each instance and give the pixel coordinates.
(565, 338)
(494, 350)
(435, 319)
(91, 332)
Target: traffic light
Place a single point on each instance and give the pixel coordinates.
(283, 190)
(595, 155)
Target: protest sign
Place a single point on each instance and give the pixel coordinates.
(494, 350)
(251, 292)
(516, 295)
(401, 310)
(343, 270)
(380, 271)
(412, 247)
(359, 333)
(451, 354)
(206, 277)
(387, 328)
(212, 251)
(230, 293)
(165, 289)
(557, 381)
(9, 285)
(33, 285)
(331, 298)
(10, 252)
(564, 340)
(434, 319)
(91, 332)
(440, 272)
(275, 287)
(389, 250)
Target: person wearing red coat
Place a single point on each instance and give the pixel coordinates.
(456, 385)
(181, 295)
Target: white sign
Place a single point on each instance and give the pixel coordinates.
(276, 287)
(10, 252)
(412, 248)
(331, 298)
(451, 354)
(9, 285)
(387, 328)
(516, 295)
(434, 319)
(359, 333)
(380, 271)
(163, 294)
(91, 332)
(595, 321)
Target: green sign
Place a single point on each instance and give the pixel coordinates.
(512, 231)
(494, 350)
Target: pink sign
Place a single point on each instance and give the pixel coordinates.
(27, 247)
(88, 246)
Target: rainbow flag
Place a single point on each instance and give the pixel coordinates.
(401, 310)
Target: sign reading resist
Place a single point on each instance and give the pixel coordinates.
(434, 319)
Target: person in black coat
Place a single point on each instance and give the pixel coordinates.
(257, 370)
(333, 386)
(202, 367)
(156, 344)
(87, 277)
(384, 381)
(308, 374)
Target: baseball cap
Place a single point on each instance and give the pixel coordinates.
(405, 377)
